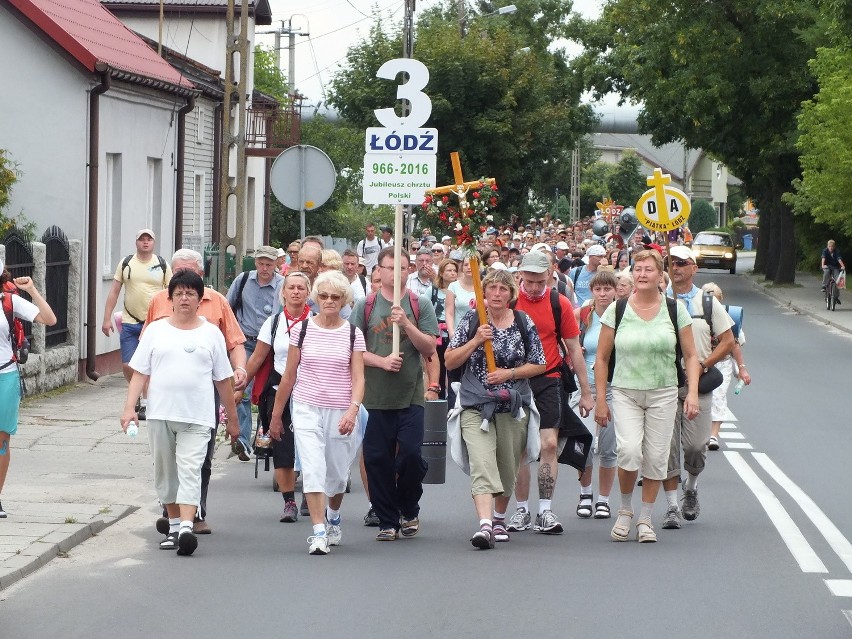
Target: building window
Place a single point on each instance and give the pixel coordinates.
(154, 195)
(112, 217)
(200, 117)
(198, 197)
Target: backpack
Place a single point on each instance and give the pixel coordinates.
(266, 367)
(370, 304)
(620, 306)
(520, 321)
(125, 264)
(238, 301)
(585, 314)
(17, 337)
(736, 313)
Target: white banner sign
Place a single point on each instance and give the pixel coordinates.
(398, 179)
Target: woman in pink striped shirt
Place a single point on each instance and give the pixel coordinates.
(329, 355)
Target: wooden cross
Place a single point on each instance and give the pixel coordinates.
(460, 189)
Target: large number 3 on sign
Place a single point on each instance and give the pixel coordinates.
(421, 105)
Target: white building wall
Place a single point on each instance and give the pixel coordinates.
(199, 160)
(44, 130)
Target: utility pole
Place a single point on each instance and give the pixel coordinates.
(407, 52)
(461, 11)
(575, 185)
(291, 49)
(556, 204)
(233, 192)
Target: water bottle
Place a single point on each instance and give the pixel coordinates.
(132, 430)
(739, 387)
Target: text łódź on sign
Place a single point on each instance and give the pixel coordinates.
(662, 207)
(400, 156)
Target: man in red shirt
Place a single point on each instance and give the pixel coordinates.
(534, 300)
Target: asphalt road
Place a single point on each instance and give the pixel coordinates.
(766, 557)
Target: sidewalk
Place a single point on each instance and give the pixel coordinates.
(73, 471)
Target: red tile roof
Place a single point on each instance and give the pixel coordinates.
(93, 35)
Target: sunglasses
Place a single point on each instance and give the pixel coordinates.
(441, 251)
(335, 297)
(681, 263)
(293, 252)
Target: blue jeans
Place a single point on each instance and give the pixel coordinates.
(244, 406)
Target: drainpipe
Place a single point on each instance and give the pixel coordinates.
(179, 174)
(92, 266)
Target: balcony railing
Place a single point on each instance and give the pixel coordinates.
(272, 127)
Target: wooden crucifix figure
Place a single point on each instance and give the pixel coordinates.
(460, 190)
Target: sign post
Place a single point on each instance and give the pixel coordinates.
(663, 208)
(400, 156)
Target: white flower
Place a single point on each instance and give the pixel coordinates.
(489, 218)
(439, 204)
(459, 227)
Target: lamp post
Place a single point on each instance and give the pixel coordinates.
(462, 13)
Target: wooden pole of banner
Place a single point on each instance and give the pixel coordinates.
(397, 272)
(460, 189)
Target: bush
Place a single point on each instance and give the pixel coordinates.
(703, 216)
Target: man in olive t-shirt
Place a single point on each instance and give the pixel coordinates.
(394, 398)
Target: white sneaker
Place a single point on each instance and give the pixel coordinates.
(318, 545)
(332, 532)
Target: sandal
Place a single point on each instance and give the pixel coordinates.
(483, 538)
(622, 525)
(498, 529)
(645, 532)
(584, 508)
(602, 510)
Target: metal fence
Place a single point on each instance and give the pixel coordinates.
(20, 263)
(58, 266)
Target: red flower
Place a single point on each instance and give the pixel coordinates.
(493, 201)
(494, 187)
(482, 229)
(476, 195)
(445, 199)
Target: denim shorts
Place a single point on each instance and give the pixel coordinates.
(129, 340)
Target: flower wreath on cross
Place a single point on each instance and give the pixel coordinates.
(465, 226)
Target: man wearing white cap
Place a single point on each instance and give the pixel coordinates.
(580, 276)
(141, 274)
(714, 340)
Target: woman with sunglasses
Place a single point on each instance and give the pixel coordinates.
(294, 295)
(329, 355)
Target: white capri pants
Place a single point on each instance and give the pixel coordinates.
(325, 454)
(179, 449)
(644, 422)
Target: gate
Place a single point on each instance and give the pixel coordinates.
(19, 262)
(57, 272)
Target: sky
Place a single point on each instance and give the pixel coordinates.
(334, 25)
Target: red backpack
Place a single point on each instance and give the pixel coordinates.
(17, 337)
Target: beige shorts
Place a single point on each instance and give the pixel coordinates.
(494, 455)
(644, 421)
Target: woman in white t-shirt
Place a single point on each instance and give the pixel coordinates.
(294, 295)
(329, 355)
(10, 380)
(178, 357)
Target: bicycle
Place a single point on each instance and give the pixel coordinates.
(832, 293)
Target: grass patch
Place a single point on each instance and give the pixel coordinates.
(105, 510)
(70, 520)
(54, 392)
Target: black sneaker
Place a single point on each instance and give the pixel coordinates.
(163, 525)
(371, 519)
(187, 542)
(2, 512)
(170, 542)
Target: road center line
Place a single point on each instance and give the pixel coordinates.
(790, 534)
(832, 534)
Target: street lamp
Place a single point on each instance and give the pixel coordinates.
(502, 11)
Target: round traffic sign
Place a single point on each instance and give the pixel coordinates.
(302, 177)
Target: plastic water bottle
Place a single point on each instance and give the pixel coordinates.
(739, 387)
(132, 430)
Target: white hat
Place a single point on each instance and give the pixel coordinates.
(499, 266)
(539, 246)
(562, 246)
(445, 238)
(281, 252)
(682, 253)
(596, 249)
(146, 232)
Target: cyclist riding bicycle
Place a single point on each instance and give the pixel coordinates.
(831, 262)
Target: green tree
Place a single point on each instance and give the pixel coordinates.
(594, 186)
(268, 77)
(727, 76)
(702, 217)
(626, 182)
(500, 97)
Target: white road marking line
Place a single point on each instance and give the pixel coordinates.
(731, 435)
(848, 615)
(832, 534)
(728, 426)
(840, 588)
(790, 534)
(739, 445)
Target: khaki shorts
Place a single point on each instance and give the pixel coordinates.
(496, 454)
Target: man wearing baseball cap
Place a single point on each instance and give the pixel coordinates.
(690, 436)
(580, 276)
(141, 274)
(538, 299)
(253, 296)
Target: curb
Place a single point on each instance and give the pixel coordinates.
(55, 543)
(789, 304)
